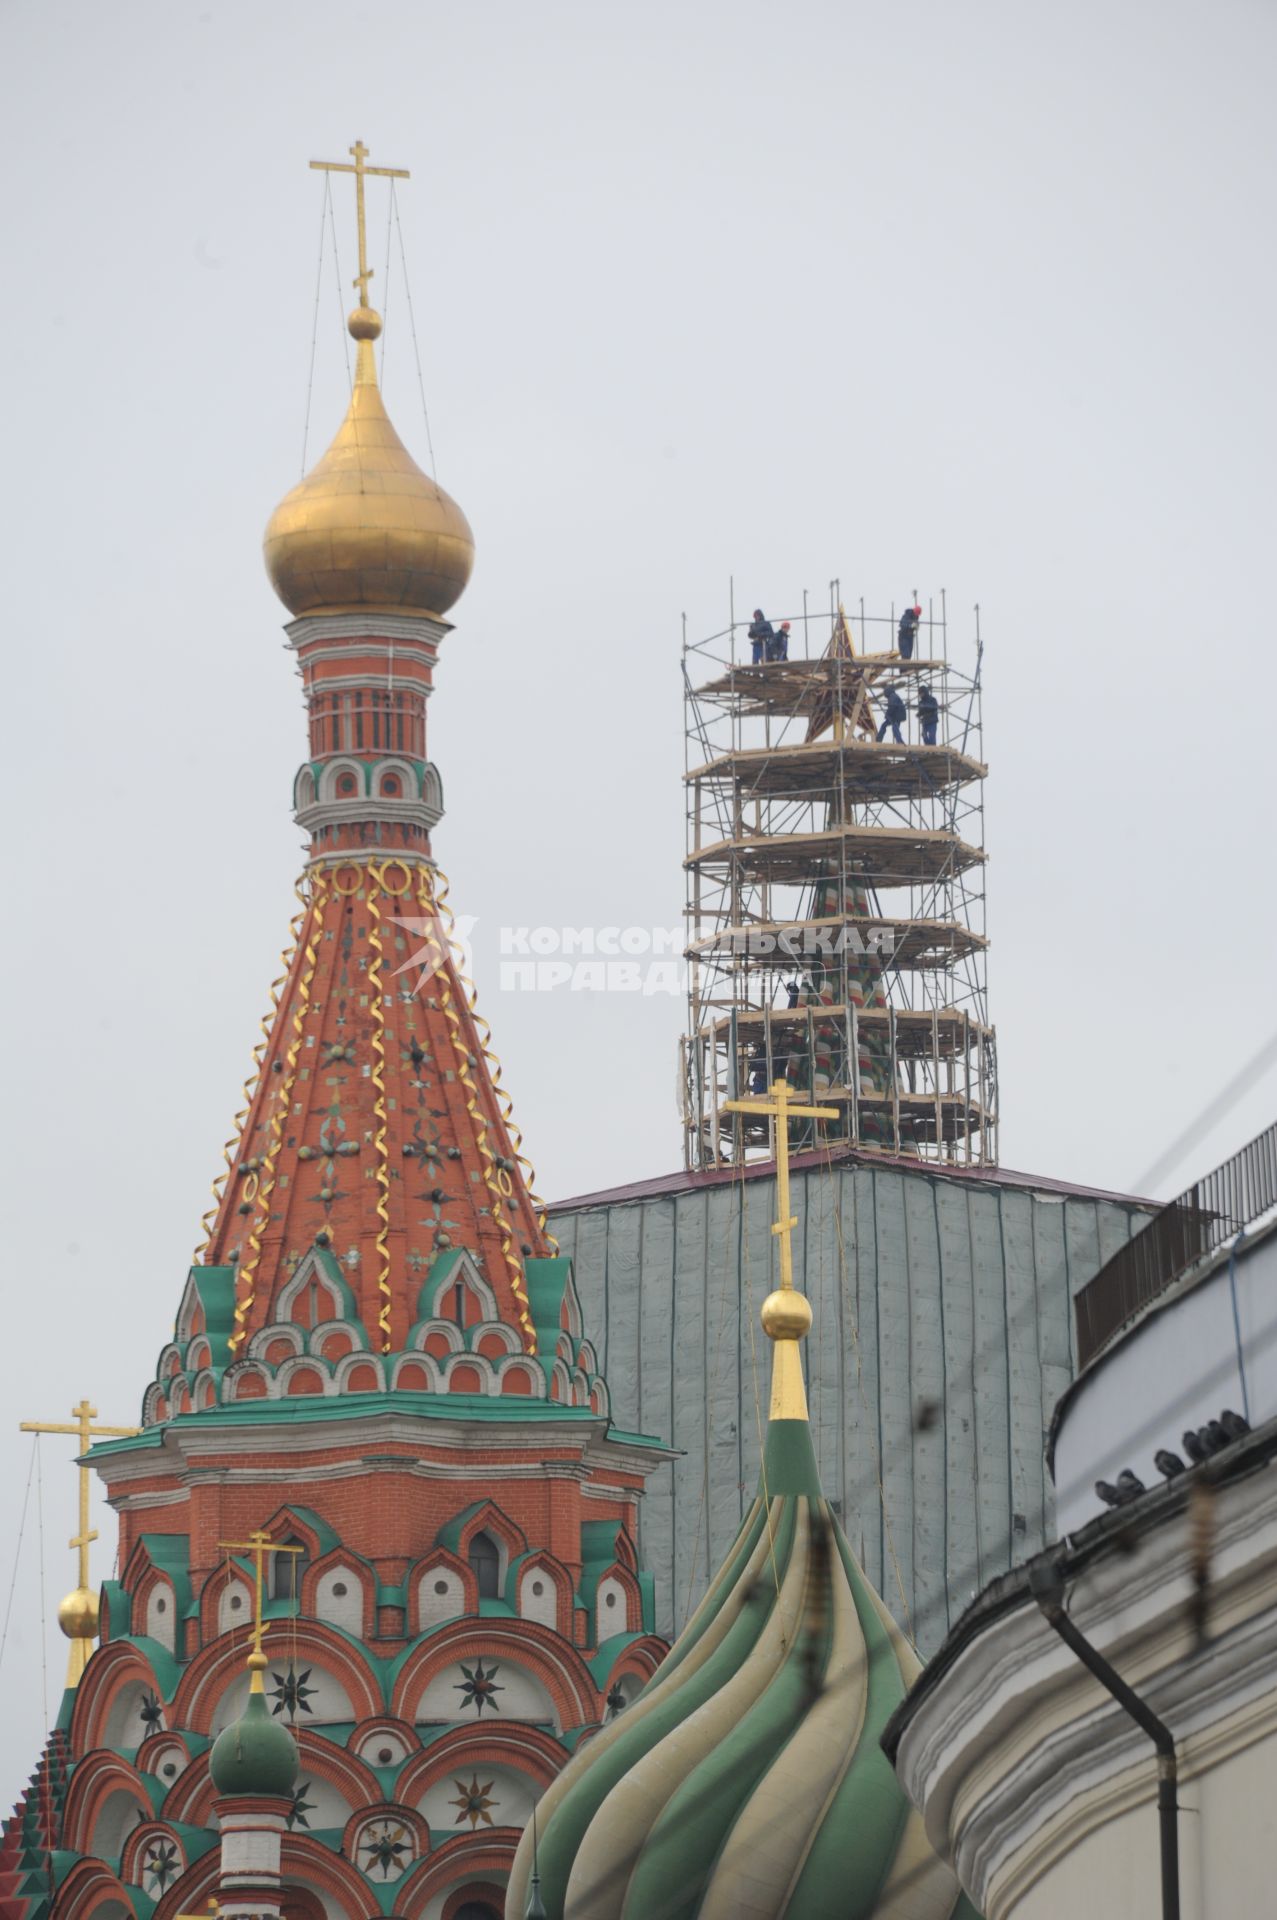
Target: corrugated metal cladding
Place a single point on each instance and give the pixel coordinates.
(942, 1337)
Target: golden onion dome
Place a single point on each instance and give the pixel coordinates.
(78, 1615)
(366, 527)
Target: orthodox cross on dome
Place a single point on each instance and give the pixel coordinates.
(78, 1611)
(786, 1314)
(779, 1106)
(259, 1544)
(361, 172)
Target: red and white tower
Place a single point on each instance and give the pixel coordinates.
(378, 1359)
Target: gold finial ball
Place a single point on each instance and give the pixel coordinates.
(78, 1615)
(257, 1662)
(786, 1315)
(364, 324)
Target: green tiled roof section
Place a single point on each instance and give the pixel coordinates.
(609, 1653)
(598, 1542)
(510, 1410)
(320, 1528)
(547, 1283)
(216, 1289)
(119, 1602)
(441, 1271)
(170, 1554)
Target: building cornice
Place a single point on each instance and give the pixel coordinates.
(1007, 1744)
(370, 625)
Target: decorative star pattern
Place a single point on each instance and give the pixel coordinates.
(474, 1802)
(291, 1693)
(151, 1713)
(479, 1686)
(160, 1865)
(386, 1848)
(615, 1700)
(301, 1806)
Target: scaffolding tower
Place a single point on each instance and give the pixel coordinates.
(835, 908)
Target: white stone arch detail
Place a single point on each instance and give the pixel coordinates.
(280, 1330)
(234, 1374)
(236, 1586)
(448, 1328)
(164, 1367)
(488, 1383)
(360, 1358)
(331, 772)
(530, 1370)
(353, 1329)
(309, 1268)
(150, 1402)
(303, 1363)
(161, 1614)
(420, 1359)
(611, 1607)
(432, 788)
(343, 1609)
(561, 1384)
(205, 1378)
(158, 1756)
(125, 1727)
(304, 791)
(543, 1606)
(409, 781)
(115, 1821)
(466, 1270)
(508, 1336)
(434, 1608)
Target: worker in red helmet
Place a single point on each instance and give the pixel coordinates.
(779, 648)
(909, 631)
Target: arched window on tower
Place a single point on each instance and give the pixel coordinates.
(287, 1570)
(485, 1564)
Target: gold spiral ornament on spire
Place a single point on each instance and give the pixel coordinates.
(375, 879)
(253, 1079)
(435, 907)
(246, 1273)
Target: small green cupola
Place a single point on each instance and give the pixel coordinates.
(255, 1755)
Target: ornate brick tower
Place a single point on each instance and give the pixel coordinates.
(378, 1387)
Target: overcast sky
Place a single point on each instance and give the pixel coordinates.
(972, 297)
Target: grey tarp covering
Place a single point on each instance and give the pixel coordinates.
(942, 1337)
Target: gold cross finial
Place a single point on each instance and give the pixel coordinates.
(786, 1314)
(259, 1544)
(84, 1430)
(361, 172)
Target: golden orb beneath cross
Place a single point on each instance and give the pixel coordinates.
(364, 324)
(786, 1315)
(78, 1615)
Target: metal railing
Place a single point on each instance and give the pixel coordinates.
(1194, 1224)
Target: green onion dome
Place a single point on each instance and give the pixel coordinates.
(746, 1781)
(255, 1754)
